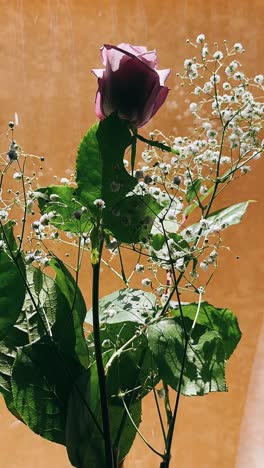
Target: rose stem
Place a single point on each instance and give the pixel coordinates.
(100, 366)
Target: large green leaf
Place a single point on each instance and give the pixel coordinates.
(67, 210)
(34, 321)
(123, 316)
(84, 440)
(217, 221)
(210, 318)
(100, 169)
(12, 275)
(8, 351)
(42, 379)
(71, 310)
(131, 219)
(126, 305)
(204, 369)
(131, 370)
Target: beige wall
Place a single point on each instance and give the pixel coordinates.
(47, 48)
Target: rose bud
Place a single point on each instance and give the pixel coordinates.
(130, 84)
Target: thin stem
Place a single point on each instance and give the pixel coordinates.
(157, 144)
(140, 433)
(109, 459)
(122, 267)
(167, 403)
(159, 413)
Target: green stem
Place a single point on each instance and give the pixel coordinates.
(109, 461)
(167, 458)
(157, 144)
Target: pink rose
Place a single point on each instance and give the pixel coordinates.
(130, 84)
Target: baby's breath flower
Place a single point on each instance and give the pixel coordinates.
(203, 190)
(171, 214)
(205, 51)
(200, 38)
(193, 107)
(238, 47)
(139, 268)
(188, 63)
(227, 86)
(2, 245)
(215, 78)
(231, 68)
(245, 169)
(64, 181)
(225, 160)
(146, 282)
(17, 176)
(180, 264)
(259, 79)
(106, 344)
(211, 133)
(218, 55)
(99, 203)
(239, 76)
(3, 215)
(146, 156)
(207, 125)
(207, 87)
(193, 72)
(204, 265)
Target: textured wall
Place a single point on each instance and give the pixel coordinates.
(47, 48)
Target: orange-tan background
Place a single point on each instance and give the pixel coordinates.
(47, 48)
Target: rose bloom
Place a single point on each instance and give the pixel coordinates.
(130, 84)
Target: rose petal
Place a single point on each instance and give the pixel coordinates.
(150, 57)
(98, 110)
(163, 75)
(134, 50)
(99, 72)
(160, 98)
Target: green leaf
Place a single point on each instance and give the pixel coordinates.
(28, 327)
(132, 218)
(193, 190)
(160, 253)
(204, 369)
(85, 444)
(218, 221)
(131, 371)
(8, 351)
(210, 318)
(163, 222)
(126, 305)
(71, 311)
(190, 208)
(61, 200)
(100, 169)
(12, 277)
(42, 379)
